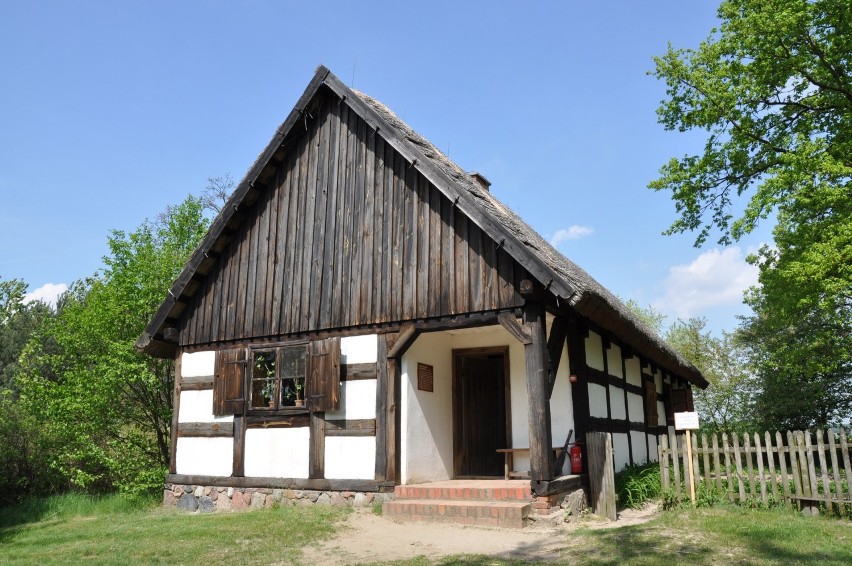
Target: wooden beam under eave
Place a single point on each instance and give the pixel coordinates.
(520, 331)
(541, 447)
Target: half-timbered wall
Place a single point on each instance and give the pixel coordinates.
(205, 444)
(617, 401)
(347, 234)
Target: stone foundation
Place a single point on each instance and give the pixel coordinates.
(207, 499)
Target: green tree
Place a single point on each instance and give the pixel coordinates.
(727, 403)
(772, 87)
(106, 408)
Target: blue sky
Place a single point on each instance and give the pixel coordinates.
(111, 111)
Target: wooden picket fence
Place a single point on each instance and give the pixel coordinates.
(809, 469)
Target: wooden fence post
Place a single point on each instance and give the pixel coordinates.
(663, 458)
(601, 474)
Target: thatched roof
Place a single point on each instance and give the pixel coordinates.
(559, 275)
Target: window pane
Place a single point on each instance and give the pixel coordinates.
(293, 376)
(263, 379)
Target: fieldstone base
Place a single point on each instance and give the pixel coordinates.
(205, 499)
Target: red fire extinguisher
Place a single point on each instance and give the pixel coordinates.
(577, 457)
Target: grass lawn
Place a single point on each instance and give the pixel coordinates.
(75, 529)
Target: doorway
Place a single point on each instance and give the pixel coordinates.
(481, 411)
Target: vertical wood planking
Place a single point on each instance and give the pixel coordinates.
(847, 465)
(329, 266)
(728, 470)
(423, 240)
(811, 467)
(747, 452)
(319, 224)
(705, 451)
(782, 465)
(759, 457)
(676, 461)
(409, 244)
(739, 462)
(313, 192)
(795, 468)
(369, 205)
(770, 460)
(823, 467)
(354, 282)
(717, 465)
(663, 456)
(835, 467)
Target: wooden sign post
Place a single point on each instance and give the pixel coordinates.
(688, 421)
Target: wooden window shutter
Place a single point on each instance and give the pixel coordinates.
(229, 384)
(651, 416)
(680, 401)
(323, 375)
(670, 401)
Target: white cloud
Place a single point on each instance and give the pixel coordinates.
(572, 233)
(716, 278)
(47, 293)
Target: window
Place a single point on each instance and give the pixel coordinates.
(278, 378)
(281, 379)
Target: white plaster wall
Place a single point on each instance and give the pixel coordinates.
(613, 360)
(635, 408)
(594, 351)
(634, 373)
(640, 451)
(197, 364)
(661, 413)
(358, 349)
(277, 452)
(350, 457)
(204, 456)
(652, 448)
(597, 400)
(197, 407)
(561, 405)
(426, 444)
(620, 450)
(357, 400)
(616, 403)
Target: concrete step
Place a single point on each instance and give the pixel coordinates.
(507, 514)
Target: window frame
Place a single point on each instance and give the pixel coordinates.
(278, 409)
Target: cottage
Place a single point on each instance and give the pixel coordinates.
(363, 314)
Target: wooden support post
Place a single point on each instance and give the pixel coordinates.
(316, 448)
(601, 474)
(577, 366)
(541, 451)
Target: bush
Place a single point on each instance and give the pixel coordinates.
(637, 483)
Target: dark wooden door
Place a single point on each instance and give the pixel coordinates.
(480, 411)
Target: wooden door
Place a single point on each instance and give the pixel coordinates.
(480, 411)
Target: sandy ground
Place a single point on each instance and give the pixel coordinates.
(366, 537)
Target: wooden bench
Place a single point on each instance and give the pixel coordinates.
(509, 461)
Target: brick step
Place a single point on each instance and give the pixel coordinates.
(438, 492)
(507, 514)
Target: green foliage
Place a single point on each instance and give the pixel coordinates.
(637, 484)
(772, 87)
(727, 404)
(104, 408)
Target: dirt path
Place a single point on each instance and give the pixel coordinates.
(366, 537)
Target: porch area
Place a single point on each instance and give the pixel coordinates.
(480, 502)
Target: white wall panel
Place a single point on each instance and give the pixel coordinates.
(277, 452)
(652, 448)
(204, 456)
(197, 407)
(357, 400)
(350, 457)
(620, 450)
(597, 401)
(640, 450)
(616, 403)
(635, 408)
(594, 351)
(197, 364)
(358, 349)
(613, 361)
(634, 373)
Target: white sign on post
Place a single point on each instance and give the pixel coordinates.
(686, 421)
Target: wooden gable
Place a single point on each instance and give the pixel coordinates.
(346, 233)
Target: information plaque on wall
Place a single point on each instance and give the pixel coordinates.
(425, 378)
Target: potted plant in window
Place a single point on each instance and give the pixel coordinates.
(268, 391)
(299, 402)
